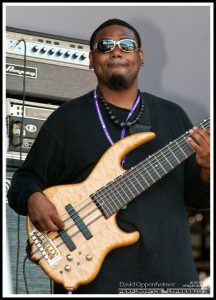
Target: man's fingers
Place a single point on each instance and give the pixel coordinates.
(47, 225)
(58, 222)
(200, 136)
(43, 213)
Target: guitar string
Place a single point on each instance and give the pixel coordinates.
(150, 159)
(73, 224)
(106, 190)
(95, 214)
(109, 192)
(152, 172)
(74, 233)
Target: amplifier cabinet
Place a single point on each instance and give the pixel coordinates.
(53, 82)
(57, 68)
(34, 115)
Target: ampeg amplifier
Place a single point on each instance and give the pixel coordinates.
(34, 115)
(57, 68)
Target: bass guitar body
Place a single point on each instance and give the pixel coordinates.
(73, 256)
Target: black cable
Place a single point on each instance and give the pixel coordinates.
(18, 246)
(20, 144)
(25, 280)
(23, 100)
(51, 286)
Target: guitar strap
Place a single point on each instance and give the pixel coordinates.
(144, 123)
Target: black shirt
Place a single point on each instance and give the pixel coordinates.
(66, 150)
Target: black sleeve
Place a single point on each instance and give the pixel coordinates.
(41, 169)
(197, 191)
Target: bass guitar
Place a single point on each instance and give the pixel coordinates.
(74, 255)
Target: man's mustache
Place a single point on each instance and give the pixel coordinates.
(117, 63)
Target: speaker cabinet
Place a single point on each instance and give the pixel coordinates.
(53, 82)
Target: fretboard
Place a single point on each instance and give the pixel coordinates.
(116, 194)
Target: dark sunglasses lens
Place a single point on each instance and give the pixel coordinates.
(105, 45)
(128, 45)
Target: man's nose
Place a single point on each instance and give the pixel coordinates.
(117, 51)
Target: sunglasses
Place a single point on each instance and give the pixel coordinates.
(107, 45)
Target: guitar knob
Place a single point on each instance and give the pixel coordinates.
(67, 268)
(69, 257)
(88, 257)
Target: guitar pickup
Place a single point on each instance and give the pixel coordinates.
(66, 239)
(78, 221)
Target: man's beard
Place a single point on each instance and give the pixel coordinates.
(117, 82)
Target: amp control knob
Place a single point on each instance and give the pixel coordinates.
(43, 50)
(51, 51)
(67, 54)
(59, 53)
(83, 56)
(35, 48)
(75, 55)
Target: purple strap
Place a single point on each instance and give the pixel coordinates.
(104, 125)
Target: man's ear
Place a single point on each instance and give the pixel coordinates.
(90, 61)
(141, 55)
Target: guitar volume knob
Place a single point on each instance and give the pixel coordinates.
(67, 268)
(88, 257)
(69, 257)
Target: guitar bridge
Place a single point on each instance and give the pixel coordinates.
(45, 246)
